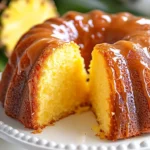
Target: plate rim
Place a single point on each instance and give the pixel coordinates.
(10, 134)
(13, 135)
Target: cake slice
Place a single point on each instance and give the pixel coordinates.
(53, 84)
(111, 93)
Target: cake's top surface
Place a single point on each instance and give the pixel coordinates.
(89, 29)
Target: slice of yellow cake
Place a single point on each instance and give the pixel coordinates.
(112, 90)
(53, 83)
(62, 86)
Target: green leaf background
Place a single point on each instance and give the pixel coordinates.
(3, 59)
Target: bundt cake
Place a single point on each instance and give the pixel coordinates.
(46, 79)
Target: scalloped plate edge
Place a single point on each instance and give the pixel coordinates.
(12, 135)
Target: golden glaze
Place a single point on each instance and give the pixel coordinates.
(139, 66)
(130, 72)
(124, 122)
(86, 30)
(90, 29)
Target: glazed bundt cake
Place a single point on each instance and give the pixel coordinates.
(46, 79)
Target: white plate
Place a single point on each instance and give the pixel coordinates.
(9, 146)
(71, 133)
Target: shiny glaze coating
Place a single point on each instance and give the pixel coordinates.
(86, 30)
(92, 28)
(138, 60)
(124, 121)
(129, 63)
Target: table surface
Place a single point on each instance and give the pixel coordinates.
(7, 146)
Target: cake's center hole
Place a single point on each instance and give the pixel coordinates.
(87, 43)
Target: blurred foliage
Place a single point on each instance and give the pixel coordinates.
(110, 6)
(3, 59)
